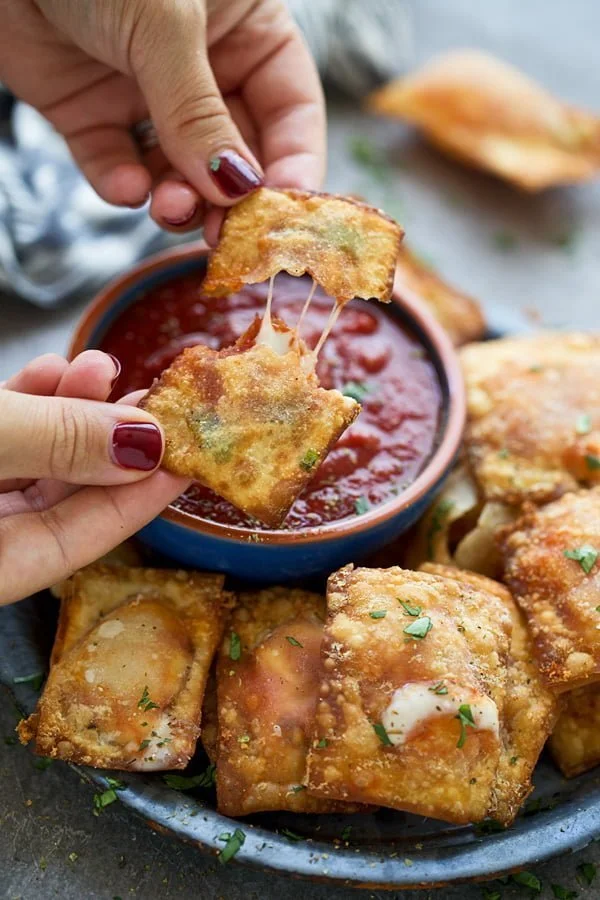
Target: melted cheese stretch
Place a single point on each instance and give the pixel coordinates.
(415, 703)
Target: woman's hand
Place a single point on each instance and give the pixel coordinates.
(57, 439)
(229, 85)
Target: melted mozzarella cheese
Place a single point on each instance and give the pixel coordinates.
(279, 341)
(415, 703)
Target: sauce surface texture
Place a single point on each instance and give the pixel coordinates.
(368, 355)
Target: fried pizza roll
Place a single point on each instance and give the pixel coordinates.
(550, 565)
(134, 647)
(533, 428)
(250, 421)
(268, 676)
(530, 707)
(575, 741)
(412, 695)
(491, 116)
(125, 554)
(459, 314)
(348, 247)
(210, 721)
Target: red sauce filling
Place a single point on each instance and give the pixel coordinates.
(368, 354)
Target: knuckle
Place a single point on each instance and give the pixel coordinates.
(197, 117)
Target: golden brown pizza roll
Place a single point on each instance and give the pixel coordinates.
(125, 554)
(268, 676)
(132, 655)
(412, 696)
(460, 315)
(533, 428)
(348, 247)
(550, 564)
(251, 421)
(491, 116)
(575, 741)
(530, 707)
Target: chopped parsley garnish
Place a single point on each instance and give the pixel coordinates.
(439, 688)
(378, 614)
(366, 154)
(491, 895)
(504, 453)
(297, 788)
(438, 520)
(309, 460)
(104, 799)
(592, 462)
(144, 744)
(410, 610)
(583, 425)
(291, 835)
(514, 760)
(586, 872)
(42, 763)
(115, 784)
(420, 628)
(35, 680)
(586, 556)
(358, 390)
(361, 505)
(536, 368)
(382, 734)
(566, 240)
(505, 240)
(183, 783)
(465, 717)
(528, 880)
(145, 702)
(234, 842)
(322, 744)
(235, 646)
(346, 832)
(562, 893)
(292, 640)
(244, 739)
(215, 164)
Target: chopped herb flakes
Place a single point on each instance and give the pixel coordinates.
(292, 640)
(346, 832)
(566, 240)
(583, 425)
(73, 857)
(586, 872)
(366, 154)
(439, 688)
(35, 680)
(309, 460)
(528, 880)
(144, 744)
(322, 744)
(410, 610)
(586, 556)
(514, 760)
(183, 783)
(297, 788)
(103, 800)
(420, 628)
(562, 893)
(235, 646)
(592, 462)
(42, 763)
(244, 739)
(465, 717)
(378, 614)
(215, 164)
(358, 390)
(505, 240)
(233, 843)
(491, 895)
(361, 505)
(382, 734)
(504, 453)
(438, 519)
(291, 835)
(115, 784)
(145, 702)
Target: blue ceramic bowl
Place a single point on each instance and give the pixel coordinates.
(278, 556)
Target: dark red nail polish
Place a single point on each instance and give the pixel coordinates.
(117, 366)
(182, 220)
(136, 445)
(234, 175)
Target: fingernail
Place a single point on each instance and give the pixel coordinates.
(117, 366)
(182, 220)
(136, 445)
(234, 175)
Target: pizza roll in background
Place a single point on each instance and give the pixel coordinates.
(131, 659)
(250, 421)
(125, 554)
(491, 116)
(530, 708)
(550, 559)
(210, 720)
(575, 741)
(412, 695)
(460, 315)
(348, 247)
(268, 676)
(533, 429)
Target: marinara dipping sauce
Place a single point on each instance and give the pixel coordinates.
(367, 355)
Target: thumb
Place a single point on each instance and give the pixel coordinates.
(169, 58)
(77, 441)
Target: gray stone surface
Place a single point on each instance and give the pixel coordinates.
(51, 844)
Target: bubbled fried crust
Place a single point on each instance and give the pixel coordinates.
(133, 651)
(533, 429)
(366, 659)
(557, 596)
(489, 115)
(460, 315)
(530, 708)
(348, 247)
(266, 704)
(250, 424)
(575, 741)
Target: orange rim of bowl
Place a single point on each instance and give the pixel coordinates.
(431, 474)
